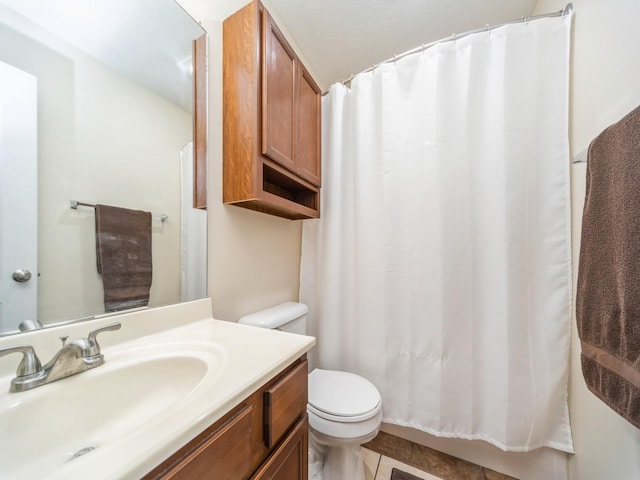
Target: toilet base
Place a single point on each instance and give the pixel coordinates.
(336, 459)
(317, 455)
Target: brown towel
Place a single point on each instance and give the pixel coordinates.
(123, 251)
(608, 296)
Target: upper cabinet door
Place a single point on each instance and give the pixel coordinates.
(278, 95)
(307, 138)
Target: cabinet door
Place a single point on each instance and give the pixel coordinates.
(225, 455)
(290, 460)
(307, 145)
(278, 95)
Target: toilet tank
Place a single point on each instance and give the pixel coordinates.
(288, 317)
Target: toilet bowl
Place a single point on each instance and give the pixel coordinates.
(344, 409)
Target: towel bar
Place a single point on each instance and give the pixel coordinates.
(75, 204)
(580, 157)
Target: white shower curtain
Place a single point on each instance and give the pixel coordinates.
(193, 238)
(441, 266)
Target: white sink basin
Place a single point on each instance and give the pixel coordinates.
(136, 388)
(155, 393)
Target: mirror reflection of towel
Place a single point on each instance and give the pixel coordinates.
(123, 252)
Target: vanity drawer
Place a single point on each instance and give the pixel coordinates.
(284, 403)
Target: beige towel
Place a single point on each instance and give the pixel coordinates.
(608, 295)
(123, 251)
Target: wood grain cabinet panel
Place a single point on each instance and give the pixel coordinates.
(290, 461)
(223, 454)
(308, 127)
(200, 122)
(278, 95)
(271, 120)
(283, 403)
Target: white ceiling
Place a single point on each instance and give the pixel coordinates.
(149, 41)
(343, 37)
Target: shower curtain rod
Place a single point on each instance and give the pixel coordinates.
(561, 13)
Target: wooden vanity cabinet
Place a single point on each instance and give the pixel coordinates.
(264, 437)
(271, 120)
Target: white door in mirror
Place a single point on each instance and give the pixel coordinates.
(18, 197)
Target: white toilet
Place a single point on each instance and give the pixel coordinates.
(345, 410)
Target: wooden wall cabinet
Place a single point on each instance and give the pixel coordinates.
(271, 120)
(264, 437)
(200, 122)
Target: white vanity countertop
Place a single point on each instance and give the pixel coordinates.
(253, 357)
(245, 358)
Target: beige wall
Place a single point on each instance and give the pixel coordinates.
(127, 153)
(254, 258)
(94, 129)
(605, 85)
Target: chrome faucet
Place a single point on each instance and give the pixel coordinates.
(74, 357)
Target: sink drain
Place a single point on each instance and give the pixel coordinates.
(80, 453)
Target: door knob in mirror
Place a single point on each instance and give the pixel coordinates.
(22, 275)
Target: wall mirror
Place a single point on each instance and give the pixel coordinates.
(97, 107)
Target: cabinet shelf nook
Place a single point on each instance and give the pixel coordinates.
(271, 120)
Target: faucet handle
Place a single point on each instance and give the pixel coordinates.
(93, 346)
(30, 363)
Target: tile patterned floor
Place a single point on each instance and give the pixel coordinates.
(387, 451)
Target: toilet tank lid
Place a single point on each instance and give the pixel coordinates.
(275, 316)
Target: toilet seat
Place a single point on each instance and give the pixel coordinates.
(342, 396)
